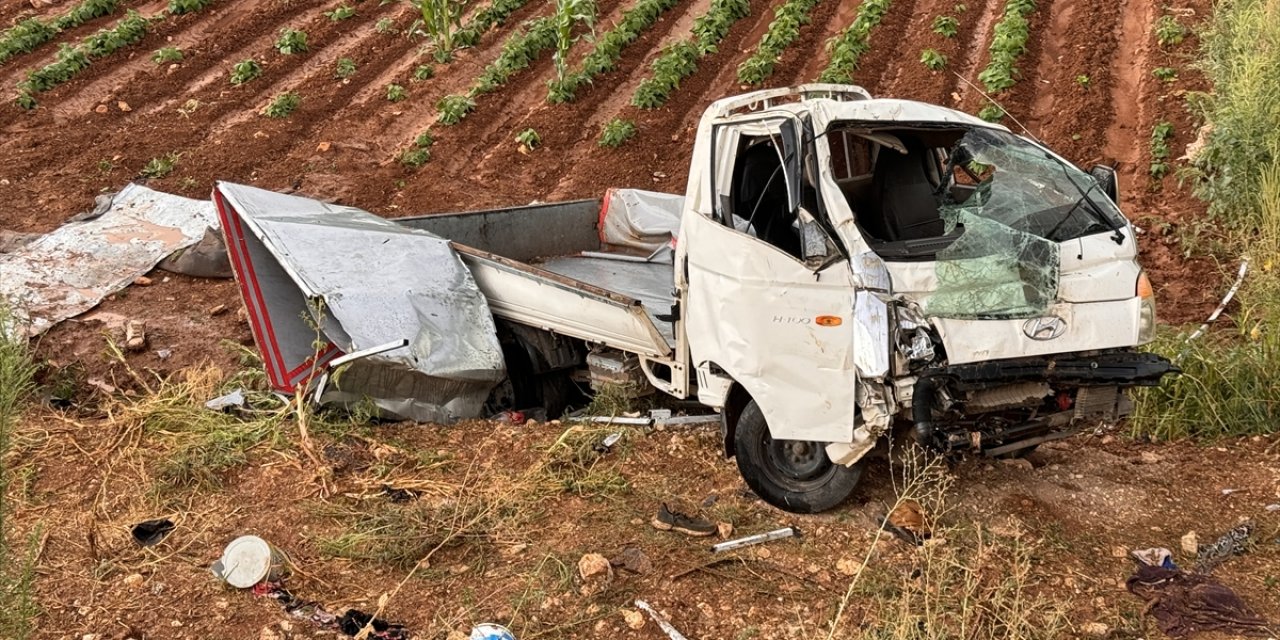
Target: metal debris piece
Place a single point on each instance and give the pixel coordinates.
(661, 621)
(768, 536)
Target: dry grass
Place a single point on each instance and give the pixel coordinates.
(18, 608)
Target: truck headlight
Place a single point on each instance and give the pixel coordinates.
(1147, 312)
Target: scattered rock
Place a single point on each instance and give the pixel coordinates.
(1119, 552)
(133, 579)
(724, 530)
(634, 619)
(218, 310)
(596, 574)
(1096, 630)
(1190, 545)
(323, 147)
(763, 553)
(1019, 463)
(1151, 457)
(143, 281)
(267, 633)
(1108, 439)
(102, 108)
(124, 106)
(847, 566)
(634, 560)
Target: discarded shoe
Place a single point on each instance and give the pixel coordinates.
(668, 520)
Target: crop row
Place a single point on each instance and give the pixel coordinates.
(848, 47)
(485, 19)
(604, 57)
(784, 30)
(28, 34)
(1008, 43)
(72, 60)
(680, 60)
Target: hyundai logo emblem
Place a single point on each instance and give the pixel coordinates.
(1046, 328)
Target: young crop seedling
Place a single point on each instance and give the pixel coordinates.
(396, 93)
(783, 31)
(494, 14)
(1160, 137)
(244, 71)
(160, 166)
(342, 12)
(680, 60)
(424, 140)
(1169, 31)
(518, 52)
(1008, 43)
(991, 113)
(440, 20)
(424, 72)
(385, 25)
(291, 41)
(1083, 80)
(167, 54)
(848, 47)
(528, 140)
(179, 7)
(453, 108)
(282, 105)
(946, 26)
(1165, 74)
(932, 60)
(420, 153)
(569, 13)
(603, 58)
(616, 132)
(345, 69)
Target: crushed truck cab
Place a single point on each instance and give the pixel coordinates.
(839, 266)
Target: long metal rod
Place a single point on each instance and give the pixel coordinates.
(776, 534)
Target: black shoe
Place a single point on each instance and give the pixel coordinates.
(668, 520)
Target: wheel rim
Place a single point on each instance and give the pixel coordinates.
(797, 465)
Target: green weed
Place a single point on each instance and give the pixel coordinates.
(167, 54)
(385, 25)
(1169, 32)
(992, 112)
(424, 72)
(1083, 80)
(617, 131)
(282, 105)
(1165, 74)
(529, 139)
(160, 166)
(342, 12)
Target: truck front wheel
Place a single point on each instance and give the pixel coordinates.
(792, 475)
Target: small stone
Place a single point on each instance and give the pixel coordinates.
(102, 108)
(285, 625)
(124, 106)
(133, 579)
(634, 619)
(1019, 463)
(847, 566)
(1096, 630)
(813, 568)
(91, 636)
(143, 281)
(724, 530)
(1108, 439)
(267, 633)
(764, 553)
(1119, 552)
(218, 310)
(593, 564)
(323, 147)
(1151, 457)
(1190, 545)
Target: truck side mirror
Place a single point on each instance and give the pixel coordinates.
(1107, 180)
(790, 132)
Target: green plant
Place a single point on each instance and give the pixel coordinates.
(932, 60)
(167, 54)
(1165, 74)
(415, 157)
(18, 606)
(441, 19)
(342, 12)
(453, 108)
(992, 112)
(492, 15)
(160, 166)
(385, 25)
(30, 33)
(1083, 80)
(529, 139)
(291, 41)
(680, 60)
(179, 7)
(848, 47)
(1161, 134)
(1169, 31)
(244, 71)
(345, 69)
(424, 72)
(783, 31)
(282, 105)
(518, 52)
(1008, 43)
(424, 140)
(946, 26)
(617, 131)
(568, 14)
(608, 48)
(71, 60)
(396, 93)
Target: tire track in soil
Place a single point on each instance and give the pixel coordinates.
(368, 135)
(1072, 117)
(1131, 70)
(567, 128)
(910, 79)
(668, 131)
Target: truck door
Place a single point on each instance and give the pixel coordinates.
(770, 293)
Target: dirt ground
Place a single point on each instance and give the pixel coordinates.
(524, 509)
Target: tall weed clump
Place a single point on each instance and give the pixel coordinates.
(1228, 381)
(18, 607)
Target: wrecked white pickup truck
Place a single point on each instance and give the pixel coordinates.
(839, 265)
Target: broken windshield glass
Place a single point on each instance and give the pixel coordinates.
(1014, 202)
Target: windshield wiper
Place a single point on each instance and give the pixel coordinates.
(1084, 197)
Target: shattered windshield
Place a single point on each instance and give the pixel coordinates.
(1005, 179)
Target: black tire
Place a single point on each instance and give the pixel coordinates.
(792, 475)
